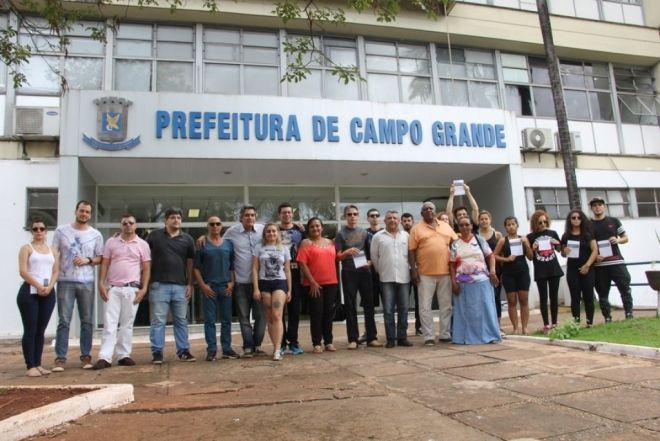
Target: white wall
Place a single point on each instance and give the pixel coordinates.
(16, 177)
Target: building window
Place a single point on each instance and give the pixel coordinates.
(320, 83)
(467, 78)
(636, 95)
(553, 200)
(42, 202)
(154, 58)
(81, 67)
(648, 202)
(241, 62)
(398, 72)
(527, 86)
(618, 202)
(586, 90)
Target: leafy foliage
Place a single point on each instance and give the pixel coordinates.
(567, 330)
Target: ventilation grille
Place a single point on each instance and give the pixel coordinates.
(29, 121)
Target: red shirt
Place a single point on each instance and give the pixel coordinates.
(320, 261)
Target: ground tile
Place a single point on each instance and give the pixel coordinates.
(511, 354)
(465, 395)
(492, 372)
(576, 361)
(544, 385)
(456, 360)
(624, 403)
(385, 368)
(528, 420)
(609, 432)
(652, 424)
(629, 374)
(413, 384)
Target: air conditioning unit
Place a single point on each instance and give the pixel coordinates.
(576, 141)
(37, 122)
(537, 140)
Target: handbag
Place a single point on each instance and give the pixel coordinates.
(340, 313)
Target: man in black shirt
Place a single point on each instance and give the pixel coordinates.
(611, 268)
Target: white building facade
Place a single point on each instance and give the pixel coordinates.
(189, 110)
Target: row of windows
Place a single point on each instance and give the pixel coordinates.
(162, 58)
(639, 202)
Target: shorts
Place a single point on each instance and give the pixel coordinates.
(273, 285)
(516, 282)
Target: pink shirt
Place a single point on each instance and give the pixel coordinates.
(126, 259)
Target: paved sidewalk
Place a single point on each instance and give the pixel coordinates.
(515, 389)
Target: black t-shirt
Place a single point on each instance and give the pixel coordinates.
(169, 256)
(603, 230)
(356, 237)
(517, 266)
(546, 265)
(585, 250)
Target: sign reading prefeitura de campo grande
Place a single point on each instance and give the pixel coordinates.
(195, 125)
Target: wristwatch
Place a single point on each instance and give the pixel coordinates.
(90, 260)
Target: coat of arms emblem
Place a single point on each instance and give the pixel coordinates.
(111, 125)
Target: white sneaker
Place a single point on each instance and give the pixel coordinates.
(277, 355)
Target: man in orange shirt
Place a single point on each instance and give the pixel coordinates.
(428, 254)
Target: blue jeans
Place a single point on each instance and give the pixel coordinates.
(252, 338)
(162, 296)
(223, 303)
(395, 295)
(67, 294)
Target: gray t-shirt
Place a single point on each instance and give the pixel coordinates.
(271, 261)
(72, 243)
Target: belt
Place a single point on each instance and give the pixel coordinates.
(129, 285)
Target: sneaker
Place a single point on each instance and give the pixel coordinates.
(277, 355)
(283, 349)
(59, 365)
(296, 349)
(33, 372)
(404, 342)
(210, 356)
(43, 371)
(330, 347)
(362, 339)
(352, 345)
(86, 362)
(318, 349)
(444, 340)
(375, 344)
(157, 358)
(248, 352)
(418, 332)
(186, 356)
(429, 343)
(101, 364)
(126, 361)
(389, 344)
(230, 355)
(258, 352)
(629, 315)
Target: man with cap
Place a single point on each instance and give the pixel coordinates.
(611, 268)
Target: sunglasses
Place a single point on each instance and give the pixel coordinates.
(576, 218)
(374, 215)
(128, 223)
(38, 229)
(351, 214)
(542, 222)
(215, 224)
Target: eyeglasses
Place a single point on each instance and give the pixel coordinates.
(542, 222)
(215, 224)
(38, 229)
(128, 223)
(374, 215)
(576, 218)
(351, 214)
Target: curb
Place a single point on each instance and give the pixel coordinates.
(34, 421)
(595, 346)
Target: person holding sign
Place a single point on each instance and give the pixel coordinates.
(610, 266)
(579, 247)
(510, 252)
(547, 271)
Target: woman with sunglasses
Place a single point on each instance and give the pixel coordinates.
(271, 280)
(547, 272)
(578, 245)
(472, 274)
(39, 267)
(316, 257)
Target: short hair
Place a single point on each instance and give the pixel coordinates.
(407, 215)
(391, 212)
(348, 207)
(457, 209)
(213, 215)
(173, 211)
(245, 208)
(513, 218)
(284, 205)
(127, 214)
(84, 202)
(371, 210)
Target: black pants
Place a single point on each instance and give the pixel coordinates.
(292, 311)
(618, 274)
(581, 288)
(549, 286)
(353, 281)
(321, 313)
(498, 299)
(35, 313)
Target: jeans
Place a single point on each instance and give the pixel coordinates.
(395, 295)
(220, 302)
(440, 287)
(162, 297)
(67, 294)
(252, 337)
(293, 310)
(581, 287)
(321, 313)
(118, 311)
(618, 274)
(35, 313)
(352, 282)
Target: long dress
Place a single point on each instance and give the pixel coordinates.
(474, 314)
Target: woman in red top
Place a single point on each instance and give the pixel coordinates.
(316, 257)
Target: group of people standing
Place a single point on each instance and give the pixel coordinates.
(263, 268)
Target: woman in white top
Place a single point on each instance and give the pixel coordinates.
(39, 267)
